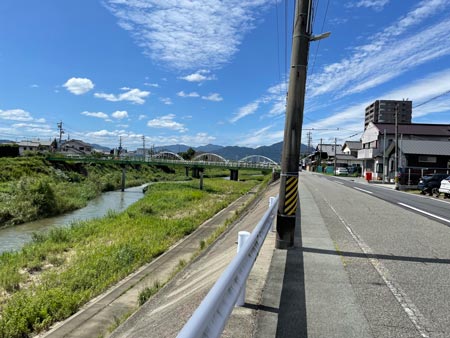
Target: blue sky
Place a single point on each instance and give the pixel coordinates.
(209, 71)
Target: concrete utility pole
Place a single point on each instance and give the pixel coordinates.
(396, 149)
(61, 131)
(335, 140)
(288, 199)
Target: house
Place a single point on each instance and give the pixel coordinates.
(378, 151)
(76, 147)
(34, 146)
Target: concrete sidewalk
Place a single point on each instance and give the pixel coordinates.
(308, 294)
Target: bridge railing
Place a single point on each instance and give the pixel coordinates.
(164, 161)
(210, 318)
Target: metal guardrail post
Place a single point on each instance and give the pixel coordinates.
(242, 238)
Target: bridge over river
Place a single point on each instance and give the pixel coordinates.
(166, 158)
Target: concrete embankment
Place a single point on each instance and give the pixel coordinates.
(101, 314)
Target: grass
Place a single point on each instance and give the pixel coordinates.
(60, 271)
(32, 188)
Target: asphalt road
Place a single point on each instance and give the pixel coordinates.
(430, 206)
(397, 259)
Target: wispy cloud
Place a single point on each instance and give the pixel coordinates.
(133, 95)
(78, 86)
(387, 55)
(248, 109)
(167, 122)
(166, 100)
(213, 97)
(262, 136)
(377, 5)
(192, 94)
(190, 34)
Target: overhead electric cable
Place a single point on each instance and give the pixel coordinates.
(321, 30)
(432, 99)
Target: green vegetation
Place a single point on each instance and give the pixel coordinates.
(32, 188)
(55, 274)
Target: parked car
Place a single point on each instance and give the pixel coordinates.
(445, 187)
(430, 184)
(341, 171)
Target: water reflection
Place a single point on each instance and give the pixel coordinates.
(15, 237)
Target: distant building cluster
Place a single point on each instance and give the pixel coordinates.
(390, 144)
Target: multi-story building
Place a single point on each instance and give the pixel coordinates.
(383, 111)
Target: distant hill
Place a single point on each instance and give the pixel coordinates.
(100, 148)
(209, 148)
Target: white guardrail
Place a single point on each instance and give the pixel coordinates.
(211, 316)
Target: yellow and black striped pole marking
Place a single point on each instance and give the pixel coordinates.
(290, 202)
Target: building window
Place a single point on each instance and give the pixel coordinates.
(428, 159)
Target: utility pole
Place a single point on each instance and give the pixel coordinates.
(120, 146)
(143, 145)
(61, 131)
(384, 155)
(288, 198)
(396, 149)
(287, 206)
(335, 140)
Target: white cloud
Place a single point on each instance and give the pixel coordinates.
(192, 94)
(154, 85)
(133, 95)
(99, 115)
(188, 34)
(199, 76)
(245, 111)
(142, 117)
(387, 55)
(263, 136)
(120, 114)
(377, 5)
(15, 115)
(78, 86)
(166, 100)
(167, 122)
(213, 97)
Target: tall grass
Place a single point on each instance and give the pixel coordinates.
(58, 272)
(32, 188)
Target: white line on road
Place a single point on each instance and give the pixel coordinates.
(419, 321)
(366, 191)
(338, 182)
(425, 212)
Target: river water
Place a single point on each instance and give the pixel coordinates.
(13, 238)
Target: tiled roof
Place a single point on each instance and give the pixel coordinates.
(425, 147)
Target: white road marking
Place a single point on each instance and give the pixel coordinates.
(413, 313)
(366, 191)
(424, 212)
(338, 182)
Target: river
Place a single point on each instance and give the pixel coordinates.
(13, 238)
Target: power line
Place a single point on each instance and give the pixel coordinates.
(321, 30)
(432, 99)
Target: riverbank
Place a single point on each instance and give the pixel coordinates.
(32, 188)
(59, 272)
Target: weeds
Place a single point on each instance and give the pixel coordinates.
(102, 252)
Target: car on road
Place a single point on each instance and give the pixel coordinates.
(341, 171)
(430, 184)
(444, 188)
